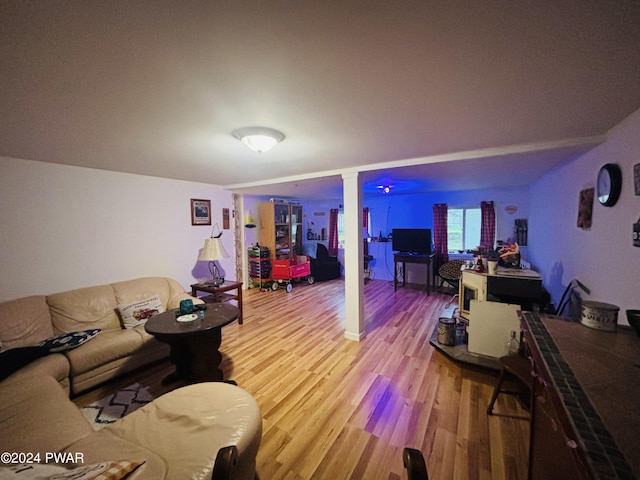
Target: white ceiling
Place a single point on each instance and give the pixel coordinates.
(156, 88)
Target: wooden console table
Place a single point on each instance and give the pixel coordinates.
(220, 293)
(404, 258)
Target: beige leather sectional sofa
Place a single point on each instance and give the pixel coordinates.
(114, 351)
(176, 436)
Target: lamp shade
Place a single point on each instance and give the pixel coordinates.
(249, 222)
(213, 250)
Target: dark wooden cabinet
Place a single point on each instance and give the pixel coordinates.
(574, 433)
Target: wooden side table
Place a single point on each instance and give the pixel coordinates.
(220, 294)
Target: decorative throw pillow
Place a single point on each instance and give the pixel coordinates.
(67, 341)
(97, 471)
(137, 313)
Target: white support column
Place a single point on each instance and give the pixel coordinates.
(242, 243)
(353, 257)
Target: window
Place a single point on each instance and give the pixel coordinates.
(463, 228)
(341, 228)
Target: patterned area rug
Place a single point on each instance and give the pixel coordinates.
(112, 407)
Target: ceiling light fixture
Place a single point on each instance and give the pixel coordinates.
(258, 139)
(385, 188)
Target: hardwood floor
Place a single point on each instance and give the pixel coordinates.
(333, 408)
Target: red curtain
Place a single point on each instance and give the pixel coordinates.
(365, 224)
(333, 232)
(488, 225)
(440, 234)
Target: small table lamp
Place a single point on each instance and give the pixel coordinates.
(213, 250)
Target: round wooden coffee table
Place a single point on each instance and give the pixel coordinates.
(194, 344)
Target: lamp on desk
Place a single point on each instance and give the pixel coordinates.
(213, 250)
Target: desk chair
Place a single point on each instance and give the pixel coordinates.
(450, 272)
(367, 267)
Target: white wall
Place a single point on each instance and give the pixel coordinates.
(316, 217)
(603, 258)
(416, 211)
(66, 227)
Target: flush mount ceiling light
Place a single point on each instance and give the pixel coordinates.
(258, 139)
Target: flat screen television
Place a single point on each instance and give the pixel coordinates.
(411, 240)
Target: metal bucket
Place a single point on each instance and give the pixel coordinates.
(447, 331)
(598, 315)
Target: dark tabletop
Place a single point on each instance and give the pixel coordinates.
(216, 315)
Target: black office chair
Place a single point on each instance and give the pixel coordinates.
(414, 463)
(450, 272)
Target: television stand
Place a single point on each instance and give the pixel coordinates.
(407, 257)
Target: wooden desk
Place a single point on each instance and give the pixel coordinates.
(404, 258)
(220, 293)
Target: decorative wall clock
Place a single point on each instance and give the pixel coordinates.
(609, 184)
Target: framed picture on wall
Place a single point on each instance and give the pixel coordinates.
(585, 208)
(200, 212)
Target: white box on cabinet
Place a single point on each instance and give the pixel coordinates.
(490, 325)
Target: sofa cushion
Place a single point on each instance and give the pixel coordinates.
(54, 365)
(37, 416)
(137, 313)
(140, 289)
(84, 308)
(14, 359)
(104, 348)
(148, 353)
(25, 321)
